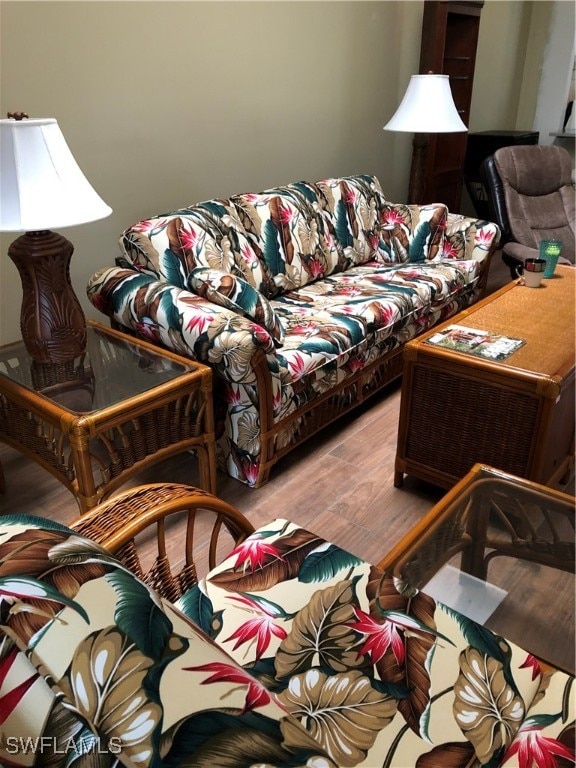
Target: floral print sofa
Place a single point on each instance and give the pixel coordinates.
(292, 652)
(300, 298)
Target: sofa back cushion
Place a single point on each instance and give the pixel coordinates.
(286, 237)
(412, 233)
(354, 205)
(287, 227)
(207, 234)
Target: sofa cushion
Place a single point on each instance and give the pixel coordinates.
(412, 233)
(377, 678)
(233, 292)
(208, 234)
(355, 204)
(288, 229)
(346, 315)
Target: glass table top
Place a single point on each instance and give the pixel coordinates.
(113, 368)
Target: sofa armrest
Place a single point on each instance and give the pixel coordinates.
(468, 238)
(183, 322)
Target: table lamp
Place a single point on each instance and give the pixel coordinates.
(42, 187)
(427, 107)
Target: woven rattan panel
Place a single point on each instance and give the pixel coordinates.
(544, 318)
(457, 421)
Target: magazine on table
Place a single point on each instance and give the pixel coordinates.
(490, 346)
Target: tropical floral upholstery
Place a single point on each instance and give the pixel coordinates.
(233, 292)
(413, 233)
(327, 279)
(292, 652)
(287, 226)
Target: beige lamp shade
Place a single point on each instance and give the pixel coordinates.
(427, 107)
(41, 185)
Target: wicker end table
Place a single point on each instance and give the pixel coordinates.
(95, 422)
(517, 414)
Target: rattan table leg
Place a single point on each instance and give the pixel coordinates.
(206, 457)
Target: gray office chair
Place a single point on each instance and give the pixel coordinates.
(531, 198)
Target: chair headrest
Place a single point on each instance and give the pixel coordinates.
(534, 170)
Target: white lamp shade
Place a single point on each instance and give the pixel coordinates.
(41, 185)
(427, 107)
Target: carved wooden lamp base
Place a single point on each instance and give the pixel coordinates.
(52, 322)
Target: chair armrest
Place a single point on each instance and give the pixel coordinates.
(180, 320)
(521, 252)
(115, 524)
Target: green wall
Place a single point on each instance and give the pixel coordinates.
(166, 103)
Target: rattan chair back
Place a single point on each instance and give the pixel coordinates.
(124, 525)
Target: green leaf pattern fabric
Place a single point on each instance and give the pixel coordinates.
(232, 292)
(412, 233)
(322, 278)
(289, 227)
(335, 668)
(448, 696)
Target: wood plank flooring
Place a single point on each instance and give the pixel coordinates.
(339, 484)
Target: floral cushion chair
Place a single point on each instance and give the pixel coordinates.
(291, 652)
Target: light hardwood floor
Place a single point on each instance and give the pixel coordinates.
(339, 484)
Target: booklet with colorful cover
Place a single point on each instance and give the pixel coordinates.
(490, 346)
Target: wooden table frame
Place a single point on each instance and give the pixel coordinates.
(130, 435)
(459, 524)
(488, 514)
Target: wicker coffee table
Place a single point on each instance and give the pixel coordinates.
(502, 545)
(97, 421)
(518, 414)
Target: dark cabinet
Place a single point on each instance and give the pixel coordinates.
(448, 47)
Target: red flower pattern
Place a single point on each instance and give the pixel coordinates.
(392, 218)
(199, 321)
(256, 695)
(10, 700)
(261, 627)
(449, 251)
(532, 661)
(535, 750)
(380, 637)
(252, 553)
(188, 238)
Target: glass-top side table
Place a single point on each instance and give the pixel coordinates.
(501, 546)
(96, 421)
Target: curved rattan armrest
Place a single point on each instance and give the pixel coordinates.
(117, 524)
